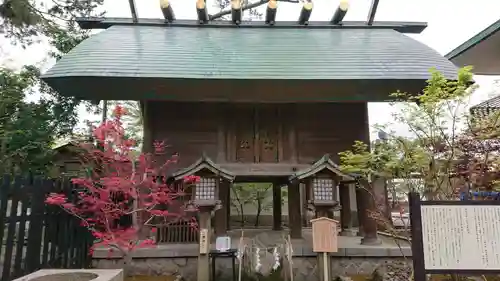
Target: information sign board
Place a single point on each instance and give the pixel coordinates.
(448, 237)
(461, 237)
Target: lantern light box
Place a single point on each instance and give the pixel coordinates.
(206, 188)
(323, 189)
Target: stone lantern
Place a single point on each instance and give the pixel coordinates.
(321, 180)
(209, 194)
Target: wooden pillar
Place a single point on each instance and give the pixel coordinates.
(292, 135)
(221, 141)
(277, 203)
(147, 143)
(345, 212)
(147, 147)
(294, 211)
(203, 272)
(366, 204)
(222, 215)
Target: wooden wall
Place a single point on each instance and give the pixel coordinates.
(189, 129)
(266, 133)
(329, 128)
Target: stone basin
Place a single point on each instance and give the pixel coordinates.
(74, 275)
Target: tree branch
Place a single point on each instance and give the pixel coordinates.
(246, 7)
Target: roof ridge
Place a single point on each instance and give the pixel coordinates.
(491, 102)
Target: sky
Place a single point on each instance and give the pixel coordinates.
(450, 23)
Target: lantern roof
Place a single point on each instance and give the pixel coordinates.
(204, 163)
(325, 163)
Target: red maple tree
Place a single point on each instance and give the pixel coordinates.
(118, 186)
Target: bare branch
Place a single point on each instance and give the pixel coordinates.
(246, 7)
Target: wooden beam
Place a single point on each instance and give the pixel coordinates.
(236, 11)
(133, 11)
(272, 7)
(305, 13)
(201, 11)
(166, 9)
(341, 11)
(372, 12)
(104, 23)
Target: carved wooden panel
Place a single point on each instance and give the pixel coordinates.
(244, 128)
(268, 129)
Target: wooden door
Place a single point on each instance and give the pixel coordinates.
(256, 133)
(268, 133)
(244, 127)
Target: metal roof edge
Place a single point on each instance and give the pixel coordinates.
(104, 23)
(474, 40)
(491, 102)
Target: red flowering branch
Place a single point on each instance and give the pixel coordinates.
(118, 186)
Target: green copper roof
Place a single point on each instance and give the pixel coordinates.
(476, 39)
(482, 51)
(181, 53)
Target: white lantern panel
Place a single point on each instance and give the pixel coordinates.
(323, 189)
(205, 189)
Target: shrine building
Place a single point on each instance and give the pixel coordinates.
(260, 101)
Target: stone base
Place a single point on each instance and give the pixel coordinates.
(180, 260)
(372, 241)
(74, 274)
(304, 268)
(348, 233)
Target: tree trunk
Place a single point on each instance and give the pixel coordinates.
(259, 210)
(126, 264)
(242, 216)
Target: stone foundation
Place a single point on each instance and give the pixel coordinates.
(305, 268)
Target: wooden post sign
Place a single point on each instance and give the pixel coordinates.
(324, 233)
(454, 237)
(204, 241)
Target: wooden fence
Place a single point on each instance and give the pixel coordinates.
(177, 232)
(35, 235)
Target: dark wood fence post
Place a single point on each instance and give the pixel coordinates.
(417, 248)
(38, 194)
(4, 199)
(15, 196)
